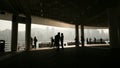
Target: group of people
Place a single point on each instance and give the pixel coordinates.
(34, 42)
(94, 41)
(58, 40)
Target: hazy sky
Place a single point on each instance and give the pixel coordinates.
(4, 24)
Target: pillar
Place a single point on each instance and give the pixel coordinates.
(28, 33)
(77, 35)
(14, 33)
(113, 29)
(119, 30)
(82, 35)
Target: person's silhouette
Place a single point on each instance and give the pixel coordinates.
(57, 39)
(31, 42)
(94, 40)
(90, 40)
(62, 39)
(101, 40)
(35, 41)
(52, 42)
(87, 40)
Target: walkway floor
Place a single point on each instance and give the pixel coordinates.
(71, 46)
(66, 58)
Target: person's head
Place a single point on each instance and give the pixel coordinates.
(58, 33)
(35, 37)
(62, 34)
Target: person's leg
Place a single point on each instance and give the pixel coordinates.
(35, 45)
(62, 45)
(58, 46)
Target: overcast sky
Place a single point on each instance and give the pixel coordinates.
(4, 24)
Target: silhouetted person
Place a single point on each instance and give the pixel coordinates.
(31, 42)
(87, 40)
(76, 41)
(90, 40)
(35, 42)
(101, 40)
(57, 40)
(94, 40)
(52, 42)
(82, 41)
(62, 40)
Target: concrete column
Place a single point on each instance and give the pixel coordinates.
(119, 31)
(113, 29)
(14, 33)
(77, 35)
(82, 35)
(28, 33)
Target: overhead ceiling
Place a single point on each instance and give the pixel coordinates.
(87, 12)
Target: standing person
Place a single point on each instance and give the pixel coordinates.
(87, 40)
(101, 40)
(82, 41)
(31, 42)
(62, 39)
(94, 40)
(90, 40)
(35, 41)
(52, 41)
(57, 40)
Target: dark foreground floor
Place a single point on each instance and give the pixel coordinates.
(67, 58)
